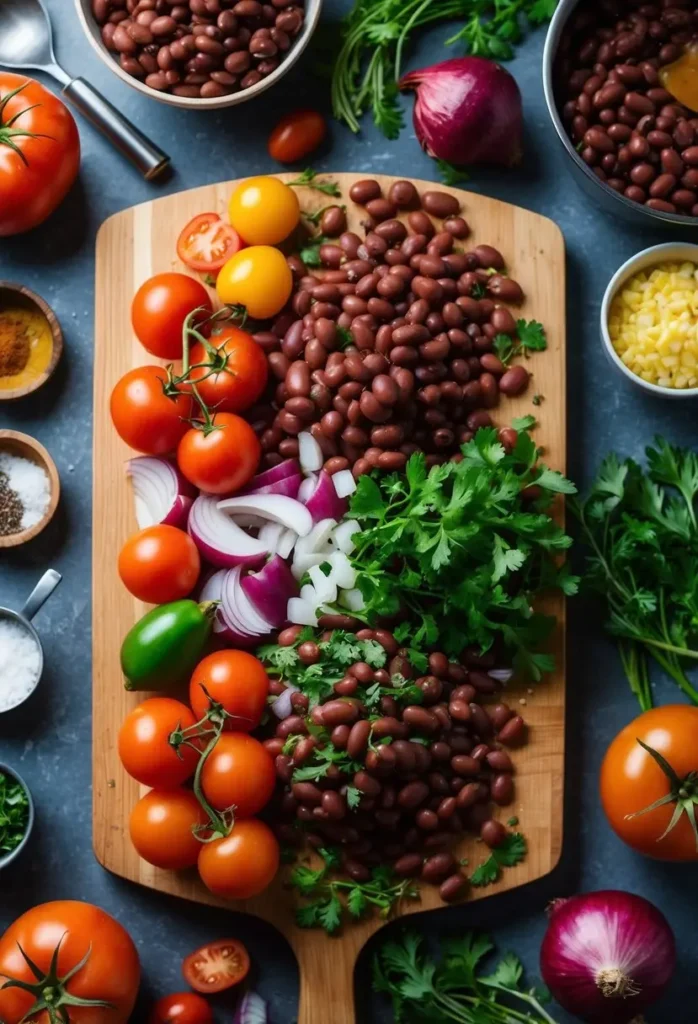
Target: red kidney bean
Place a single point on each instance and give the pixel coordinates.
(493, 833)
(502, 789)
(438, 867)
(453, 888)
(513, 732)
(440, 204)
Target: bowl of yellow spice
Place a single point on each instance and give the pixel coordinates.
(649, 320)
(31, 341)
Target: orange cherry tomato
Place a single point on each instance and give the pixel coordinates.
(159, 564)
(235, 679)
(243, 864)
(144, 416)
(181, 1008)
(144, 747)
(264, 211)
(161, 827)
(296, 135)
(257, 278)
(159, 309)
(223, 459)
(631, 780)
(207, 242)
(238, 773)
(216, 966)
(240, 370)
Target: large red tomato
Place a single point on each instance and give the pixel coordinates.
(39, 153)
(110, 973)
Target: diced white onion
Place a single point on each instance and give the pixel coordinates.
(352, 599)
(343, 573)
(325, 586)
(342, 536)
(302, 563)
(286, 543)
(307, 487)
(308, 594)
(318, 540)
(301, 613)
(344, 483)
(309, 453)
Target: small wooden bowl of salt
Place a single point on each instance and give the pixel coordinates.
(29, 488)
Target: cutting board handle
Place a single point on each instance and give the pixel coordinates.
(327, 981)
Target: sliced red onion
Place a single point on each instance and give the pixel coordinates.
(270, 590)
(229, 609)
(324, 502)
(286, 543)
(309, 453)
(307, 487)
(282, 706)
(220, 540)
(276, 507)
(212, 590)
(287, 486)
(502, 675)
(270, 534)
(239, 609)
(344, 483)
(270, 476)
(161, 494)
(252, 1010)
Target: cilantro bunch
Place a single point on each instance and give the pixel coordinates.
(641, 527)
(422, 990)
(14, 813)
(457, 555)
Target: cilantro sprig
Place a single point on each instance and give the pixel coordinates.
(309, 179)
(310, 253)
(511, 852)
(459, 555)
(330, 900)
(14, 813)
(530, 338)
(455, 988)
(641, 528)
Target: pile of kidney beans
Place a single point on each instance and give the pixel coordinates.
(199, 48)
(417, 799)
(630, 130)
(388, 348)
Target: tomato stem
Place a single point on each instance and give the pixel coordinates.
(683, 793)
(7, 132)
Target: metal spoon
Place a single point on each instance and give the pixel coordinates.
(26, 42)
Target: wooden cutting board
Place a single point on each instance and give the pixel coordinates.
(131, 247)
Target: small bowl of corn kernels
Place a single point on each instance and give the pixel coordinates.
(649, 320)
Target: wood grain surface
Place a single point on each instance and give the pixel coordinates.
(131, 247)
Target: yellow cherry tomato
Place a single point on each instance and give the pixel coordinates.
(257, 278)
(264, 211)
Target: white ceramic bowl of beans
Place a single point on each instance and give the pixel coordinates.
(647, 259)
(94, 34)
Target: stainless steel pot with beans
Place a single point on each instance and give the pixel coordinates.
(388, 349)
(423, 774)
(603, 75)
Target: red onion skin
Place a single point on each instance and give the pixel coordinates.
(607, 929)
(467, 111)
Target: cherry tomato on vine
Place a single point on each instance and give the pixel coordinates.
(257, 278)
(243, 864)
(159, 564)
(207, 242)
(216, 966)
(632, 780)
(296, 135)
(161, 828)
(264, 210)
(235, 679)
(144, 747)
(242, 370)
(144, 416)
(239, 773)
(220, 460)
(159, 309)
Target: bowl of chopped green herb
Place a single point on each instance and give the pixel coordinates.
(16, 815)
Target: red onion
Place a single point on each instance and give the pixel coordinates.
(252, 1010)
(607, 955)
(270, 590)
(212, 590)
(221, 541)
(292, 514)
(467, 111)
(270, 476)
(161, 494)
(282, 706)
(323, 501)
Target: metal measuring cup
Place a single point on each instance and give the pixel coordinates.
(38, 597)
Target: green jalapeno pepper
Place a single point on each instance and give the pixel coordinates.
(163, 648)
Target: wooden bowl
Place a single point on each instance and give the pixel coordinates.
(28, 448)
(17, 295)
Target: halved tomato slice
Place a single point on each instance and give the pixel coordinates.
(216, 966)
(207, 243)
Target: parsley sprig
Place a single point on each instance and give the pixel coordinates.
(458, 554)
(530, 338)
(330, 900)
(641, 527)
(14, 813)
(309, 179)
(455, 989)
(511, 852)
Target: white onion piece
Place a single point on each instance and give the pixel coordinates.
(324, 502)
(325, 586)
(301, 613)
(307, 488)
(342, 536)
(270, 534)
(282, 706)
(308, 594)
(219, 539)
(276, 507)
(343, 573)
(249, 522)
(302, 563)
(344, 483)
(252, 1010)
(286, 543)
(160, 493)
(309, 453)
(270, 589)
(287, 486)
(270, 476)
(250, 617)
(317, 541)
(352, 599)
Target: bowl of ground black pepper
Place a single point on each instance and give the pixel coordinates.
(31, 341)
(29, 488)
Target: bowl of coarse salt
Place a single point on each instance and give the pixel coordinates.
(29, 488)
(21, 653)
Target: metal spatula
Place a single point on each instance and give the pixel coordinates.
(26, 43)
